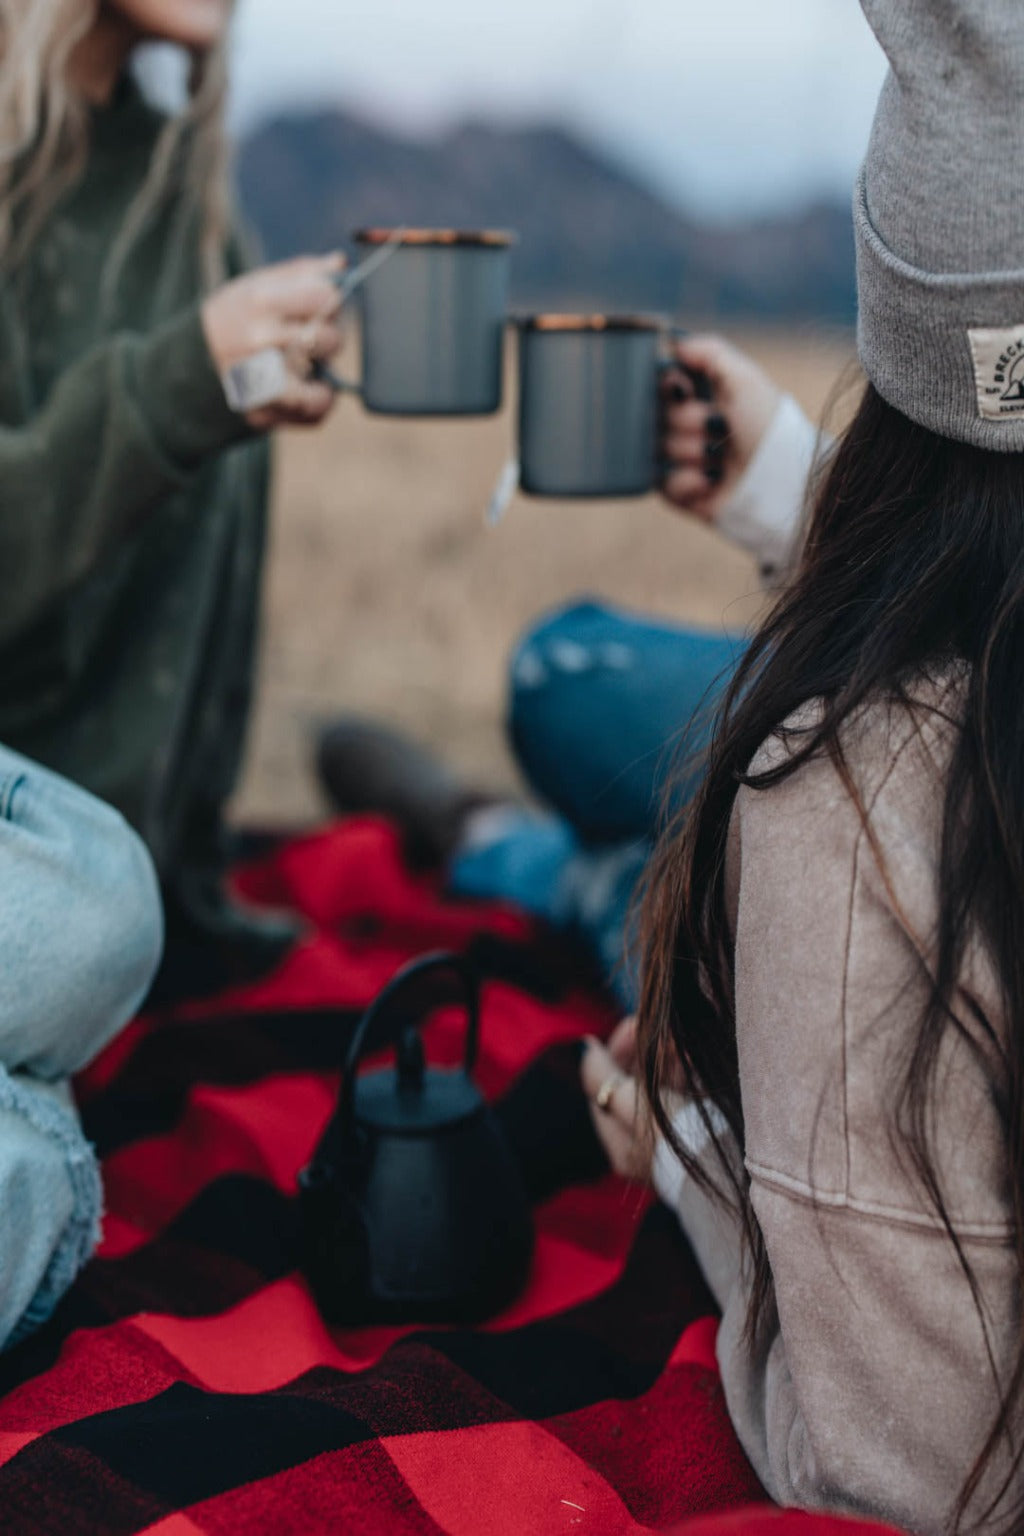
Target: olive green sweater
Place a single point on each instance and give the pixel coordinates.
(132, 510)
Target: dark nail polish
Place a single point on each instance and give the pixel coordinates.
(717, 426)
(678, 394)
(715, 473)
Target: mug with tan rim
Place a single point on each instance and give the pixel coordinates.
(433, 308)
(589, 403)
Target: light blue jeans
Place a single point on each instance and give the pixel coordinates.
(81, 930)
(606, 709)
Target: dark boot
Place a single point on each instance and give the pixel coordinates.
(369, 768)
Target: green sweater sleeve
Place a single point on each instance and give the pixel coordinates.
(125, 426)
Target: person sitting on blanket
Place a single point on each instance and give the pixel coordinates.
(827, 1078)
(133, 498)
(601, 702)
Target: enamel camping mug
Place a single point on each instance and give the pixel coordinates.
(433, 308)
(589, 403)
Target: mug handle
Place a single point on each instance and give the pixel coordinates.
(702, 386)
(703, 390)
(323, 373)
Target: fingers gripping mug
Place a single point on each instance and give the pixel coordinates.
(433, 307)
(589, 403)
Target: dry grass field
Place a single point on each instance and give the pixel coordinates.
(387, 593)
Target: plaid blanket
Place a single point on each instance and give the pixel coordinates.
(188, 1384)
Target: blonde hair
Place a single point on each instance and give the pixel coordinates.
(44, 139)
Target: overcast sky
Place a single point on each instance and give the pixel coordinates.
(726, 105)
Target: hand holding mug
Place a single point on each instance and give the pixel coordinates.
(709, 446)
(288, 311)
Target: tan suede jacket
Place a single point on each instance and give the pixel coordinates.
(875, 1392)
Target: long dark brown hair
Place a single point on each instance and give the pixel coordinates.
(914, 562)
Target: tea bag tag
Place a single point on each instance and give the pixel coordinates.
(504, 490)
(256, 381)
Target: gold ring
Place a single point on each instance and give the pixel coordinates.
(606, 1092)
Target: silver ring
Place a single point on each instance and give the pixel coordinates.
(606, 1092)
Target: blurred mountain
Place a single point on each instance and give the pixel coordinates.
(591, 233)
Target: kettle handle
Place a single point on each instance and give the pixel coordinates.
(375, 1030)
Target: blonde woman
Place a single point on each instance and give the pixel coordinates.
(132, 496)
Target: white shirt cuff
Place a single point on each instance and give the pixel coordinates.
(765, 513)
(668, 1174)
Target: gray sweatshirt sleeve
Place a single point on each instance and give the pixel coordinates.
(125, 426)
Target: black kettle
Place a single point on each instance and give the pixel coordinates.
(413, 1207)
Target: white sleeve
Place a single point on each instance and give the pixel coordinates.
(711, 1226)
(766, 512)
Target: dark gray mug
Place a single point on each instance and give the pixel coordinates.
(433, 314)
(589, 403)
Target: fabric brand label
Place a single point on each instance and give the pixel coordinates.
(999, 371)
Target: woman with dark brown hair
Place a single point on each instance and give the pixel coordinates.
(831, 1031)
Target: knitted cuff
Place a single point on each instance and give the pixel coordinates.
(946, 349)
(182, 394)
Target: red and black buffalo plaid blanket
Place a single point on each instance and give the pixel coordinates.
(188, 1387)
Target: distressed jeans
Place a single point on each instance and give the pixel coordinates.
(606, 709)
(80, 935)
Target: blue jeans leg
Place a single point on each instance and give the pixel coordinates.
(80, 935)
(604, 707)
